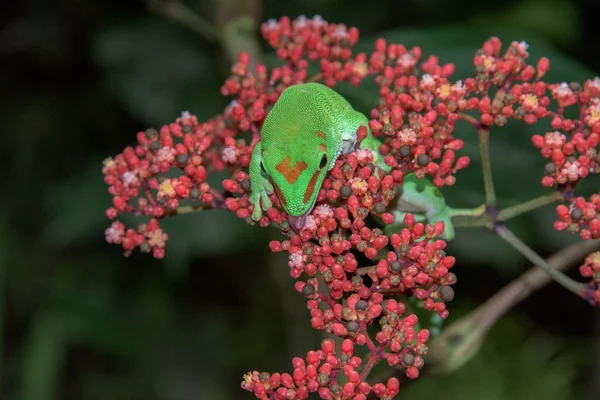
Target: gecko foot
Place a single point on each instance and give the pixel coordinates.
(260, 196)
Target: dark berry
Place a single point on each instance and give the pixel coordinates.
(446, 293)
(576, 214)
(423, 160)
(308, 290)
(361, 305)
(379, 208)
(352, 326)
(150, 133)
(182, 159)
(345, 191)
(404, 151)
(154, 146)
(246, 185)
(408, 359)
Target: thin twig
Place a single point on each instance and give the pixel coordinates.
(185, 16)
(467, 212)
(484, 150)
(374, 357)
(533, 204)
(185, 210)
(315, 78)
(533, 257)
(462, 339)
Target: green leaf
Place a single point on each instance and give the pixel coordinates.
(76, 208)
(206, 233)
(556, 20)
(157, 71)
(76, 214)
(43, 359)
(513, 363)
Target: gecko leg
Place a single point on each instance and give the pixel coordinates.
(260, 186)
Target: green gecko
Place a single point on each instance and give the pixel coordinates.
(305, 132)
(426, 202)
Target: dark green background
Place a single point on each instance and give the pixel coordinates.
(79, 321)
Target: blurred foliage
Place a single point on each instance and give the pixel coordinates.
(80, 321)
(540, 367)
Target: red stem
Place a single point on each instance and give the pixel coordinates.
(149, 195)
(327, 300)
(371, 362)
(315, 78)
(471, 120)
(363, 330)
(218, 195)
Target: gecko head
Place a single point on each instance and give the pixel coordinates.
(297, 179)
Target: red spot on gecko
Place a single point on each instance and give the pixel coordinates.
(280, 195)
(291, 174)
(311, 186)
(323, 147)
(320, 134)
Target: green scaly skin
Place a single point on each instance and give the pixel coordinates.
(426, 202)
(305, 132)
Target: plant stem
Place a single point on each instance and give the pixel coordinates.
(327, 299)
(513, 211)
(467, 212)
(238, 24)
(481, 221)
(315, 78)
(184, 15)
(363, 270)
(471, 120)
(363, 330)
(371, 362)
(486, 166)
(186, 209)
(533, 257)
(461, 340)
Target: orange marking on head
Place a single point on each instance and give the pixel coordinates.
(320, 134)
(323, 147)
(280, 194)
(291, 174)
(311, 186)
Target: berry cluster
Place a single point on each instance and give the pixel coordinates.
(591, 269)
(332, 375)
(165, 174)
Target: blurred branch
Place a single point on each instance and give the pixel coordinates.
(237, 20)
(235, 28)
(460, 341)
(533, 204)
(484, 149)
(566, 282)
(178, 12)
(186, 210)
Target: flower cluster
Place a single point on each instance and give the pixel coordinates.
(591, 269)
(342, 244)
(333, 375)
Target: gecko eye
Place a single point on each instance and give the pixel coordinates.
(323, 162)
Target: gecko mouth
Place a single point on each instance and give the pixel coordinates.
(297, 223)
